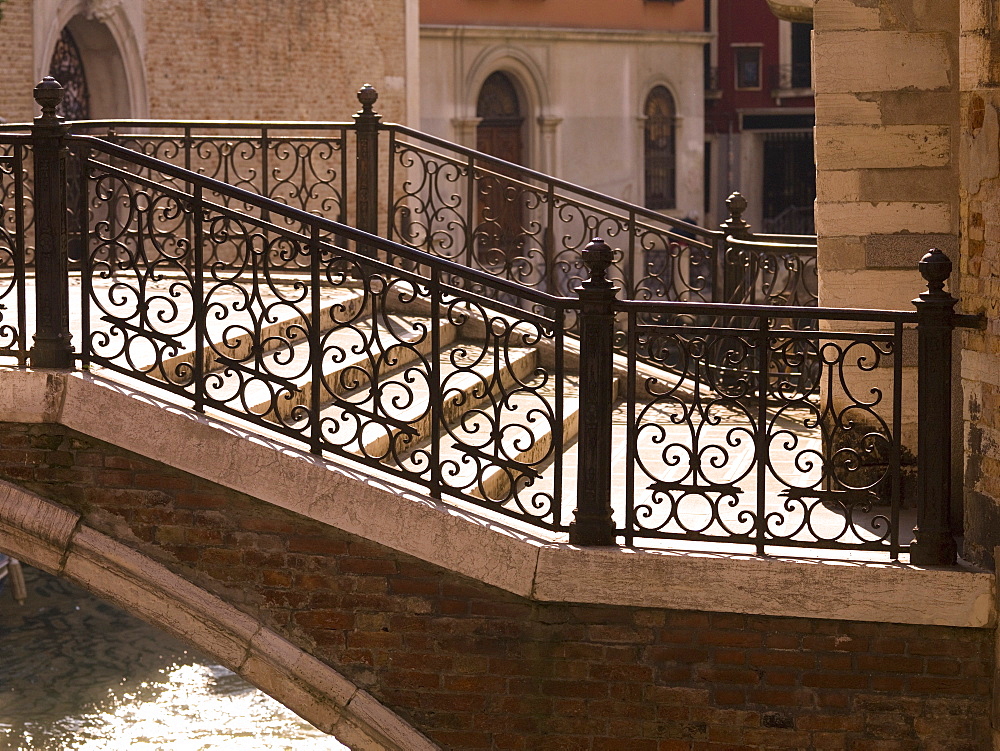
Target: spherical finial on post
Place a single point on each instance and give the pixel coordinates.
(598, 257)
(736, 204)
(49, 94)
(935, 267)
(735, 224)
(367, 95)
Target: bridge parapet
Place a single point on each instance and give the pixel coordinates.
(738, 428)
(468, 632)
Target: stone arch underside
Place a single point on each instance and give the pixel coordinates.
(55, 539)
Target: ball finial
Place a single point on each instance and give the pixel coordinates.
(367, 95)
(935, 267)
(49, 93)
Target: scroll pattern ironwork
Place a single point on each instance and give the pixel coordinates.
(529, 228)
(408, 373)
(766, 436)
(16, 247)
(292, 164)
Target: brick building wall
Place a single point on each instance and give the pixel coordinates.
(257, 59)
(16, 61)
(978, 121)
(477, 668)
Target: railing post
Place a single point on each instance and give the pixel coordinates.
(593, 525)
(934, 542)
(366, 131)
(735, 226)
(52, 348)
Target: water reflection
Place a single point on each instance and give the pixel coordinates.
(79, 674)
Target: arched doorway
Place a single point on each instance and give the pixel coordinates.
(500, 133)
(501, 127)
(68, 69)
(87, 61)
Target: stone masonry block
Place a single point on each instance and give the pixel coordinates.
(847, 109)
(903, 251)
(924, 184)
(849, 61)
(860, 147)
(845, 15)
(859, 219)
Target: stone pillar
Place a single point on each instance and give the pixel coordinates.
(886, 80)
(979, 263)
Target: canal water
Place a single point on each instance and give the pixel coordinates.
(79, 674)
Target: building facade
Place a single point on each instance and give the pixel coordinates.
(759, 116)
(606, 95)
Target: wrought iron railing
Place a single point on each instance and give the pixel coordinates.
(452, 202)
(728, 424)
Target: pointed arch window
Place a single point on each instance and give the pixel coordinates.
(67, 68)
(660, 154)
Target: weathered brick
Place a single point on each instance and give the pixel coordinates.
(469, 664)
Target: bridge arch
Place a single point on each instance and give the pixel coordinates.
(56, 540)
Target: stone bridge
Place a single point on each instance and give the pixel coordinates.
(398, 623)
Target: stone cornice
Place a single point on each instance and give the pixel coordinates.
(555, 34)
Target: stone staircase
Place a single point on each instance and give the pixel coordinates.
(504, 433)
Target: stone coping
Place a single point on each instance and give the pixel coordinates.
(356, 501)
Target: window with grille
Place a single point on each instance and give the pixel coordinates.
(660, 149)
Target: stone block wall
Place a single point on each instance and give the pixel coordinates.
(979, 122)
(477, 668)
(886, 75)
(886, 93)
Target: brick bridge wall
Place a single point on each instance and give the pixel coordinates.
(474, 667)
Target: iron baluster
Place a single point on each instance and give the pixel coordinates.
(85, 273)
(19, 254)
(198, 293)
(437, 392)
(52, 336)
(632, 434)
(366, 131)
(630, 261)
(761, 433)
(593, 524)
(895, 452)
(737, 227)
(316, 358)
(560, 421)
(470, 216)
(934, 540)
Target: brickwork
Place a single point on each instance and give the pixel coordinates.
(16, 61)
(980, 264)
(477, 668)
(259, 59)
(236, 59)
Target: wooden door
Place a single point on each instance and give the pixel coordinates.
(500, 204)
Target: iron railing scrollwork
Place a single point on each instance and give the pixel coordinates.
(768, 426)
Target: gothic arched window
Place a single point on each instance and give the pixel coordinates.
(67, 68)
(660, 150)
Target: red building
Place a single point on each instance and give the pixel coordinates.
(759, 116)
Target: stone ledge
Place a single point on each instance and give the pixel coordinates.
(403, 520)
